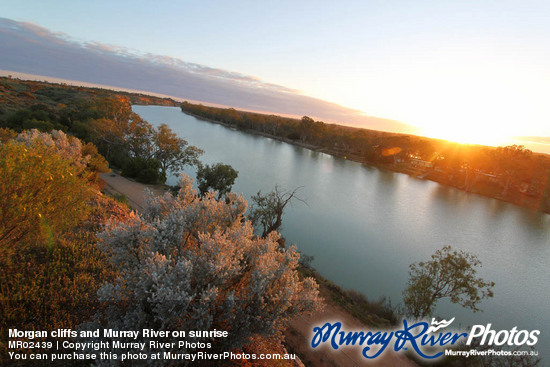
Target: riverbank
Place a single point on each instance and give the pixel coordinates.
(260, 133)
(338, 305)
(528, 194)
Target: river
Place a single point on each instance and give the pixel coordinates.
(364, 225)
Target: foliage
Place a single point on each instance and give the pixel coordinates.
(119, 133)
(42, 193)
(6, 135)
(449, 274)
(134, 144)
(49, 212)
(137, 136)
(514, 164)
(310, 130)
(218, 177)
(191, 263)
(99, 116)
(267, 210)
(46, 288)
(47, 106)
(95, 164)
(37, 116)
(144, 170)
(171, 151)
(88, 162)
(68, 147)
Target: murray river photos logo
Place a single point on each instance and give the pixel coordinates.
(427, 340)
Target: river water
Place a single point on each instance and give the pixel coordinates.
(364, 225)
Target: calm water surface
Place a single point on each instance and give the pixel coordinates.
(364, 226)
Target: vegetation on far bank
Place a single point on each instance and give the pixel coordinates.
(510, 173)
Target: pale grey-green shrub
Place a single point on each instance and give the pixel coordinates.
(191, 263)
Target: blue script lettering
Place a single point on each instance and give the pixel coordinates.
(413, 335)
(378, 338)
(404, 336)
(322, 336)
(339, 338)
(442, 339)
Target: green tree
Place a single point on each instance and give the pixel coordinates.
(116, 108)
(218, 177)
(138, 137)
(119, 133)
(108, 135)
(130, 142)
(514, 164)
(449, 274)
(267, 210)
(173, 152)
(310, 130)
(145, 170)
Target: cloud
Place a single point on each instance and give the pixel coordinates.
(29, 48)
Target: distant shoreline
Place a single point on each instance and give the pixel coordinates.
(412, 173)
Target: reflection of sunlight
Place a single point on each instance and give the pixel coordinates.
(327, 164)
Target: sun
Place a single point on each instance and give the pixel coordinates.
(466, 101)
(464, 134)
(463, 115)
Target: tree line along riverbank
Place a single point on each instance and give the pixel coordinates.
(511, 173)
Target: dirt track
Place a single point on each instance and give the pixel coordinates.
(134, 191)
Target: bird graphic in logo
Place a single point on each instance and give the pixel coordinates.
(439, 325)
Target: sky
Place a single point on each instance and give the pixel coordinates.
(472, 71)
